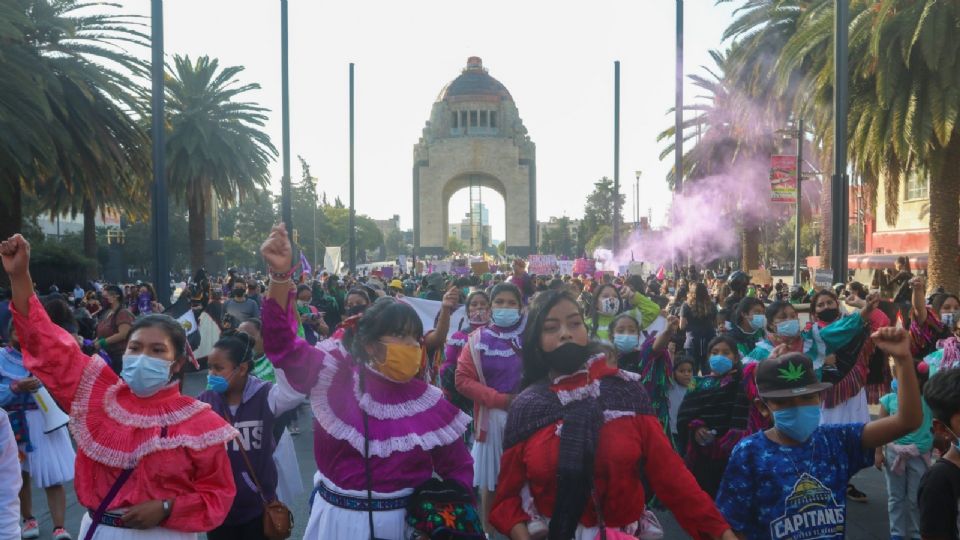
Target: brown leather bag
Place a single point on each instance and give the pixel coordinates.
(277, 518)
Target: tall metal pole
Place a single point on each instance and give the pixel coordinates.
(286, 206)
(616, 157)
(839, 187)
(160, 230)
(353, 230)
(796, 237)
(678, 106)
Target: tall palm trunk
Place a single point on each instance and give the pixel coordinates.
(90, 236)
(196, 225)
(945, 219)
(750, 247)
(826, 223)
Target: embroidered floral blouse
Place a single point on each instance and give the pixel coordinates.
(116, 430)
(413, 431)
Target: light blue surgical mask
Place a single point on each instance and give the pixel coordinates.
(798, 423)
(720, 364)
(219, 384)
(626, 342)
(758, 321)
(789, 328)
(504, 317)
(894, 386)
(145, 375)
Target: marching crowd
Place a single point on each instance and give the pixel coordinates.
(559, 407)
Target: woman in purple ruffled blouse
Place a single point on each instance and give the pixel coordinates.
(366, 401)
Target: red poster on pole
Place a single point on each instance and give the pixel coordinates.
(783, 179)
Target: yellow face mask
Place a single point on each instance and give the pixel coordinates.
(401, 363)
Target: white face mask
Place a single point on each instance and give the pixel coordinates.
(608, 306)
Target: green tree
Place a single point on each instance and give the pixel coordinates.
(599, 208)
(215, 144)
(456, 245)
(393, 243)
(556, 238)
(69, 118)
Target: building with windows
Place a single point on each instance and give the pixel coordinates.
(908, 233)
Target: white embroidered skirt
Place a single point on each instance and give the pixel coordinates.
(852, 411)
(328, 521)
(289, 482)
(487, 454)
(52, 459)
(114, 533)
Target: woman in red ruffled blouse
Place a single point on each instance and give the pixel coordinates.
(586, 430)
(181, 481)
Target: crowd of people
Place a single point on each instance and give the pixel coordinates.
(523, 406)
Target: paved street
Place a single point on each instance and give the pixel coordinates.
(866, 521)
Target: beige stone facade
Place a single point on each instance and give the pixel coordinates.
(474, 137)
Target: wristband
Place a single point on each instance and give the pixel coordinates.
(102, 342)
(280, 276)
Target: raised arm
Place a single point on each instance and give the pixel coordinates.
(663, 338)
(438, 337)
(49, 352)
(909, 415)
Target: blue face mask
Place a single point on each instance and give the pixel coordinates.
(504, 317)
(894, 385)
(217, 383)
(626, 342)
(789, 328)
(145, 375)
(798, 423)
(758, 321)
(720, 364)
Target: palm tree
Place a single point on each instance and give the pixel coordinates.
(904, 104)
(215, 144)
(731, 134)
(69, 129)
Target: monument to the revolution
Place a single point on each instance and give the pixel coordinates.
(474, 138)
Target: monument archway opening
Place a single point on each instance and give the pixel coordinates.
(475, 214)
(474, 137)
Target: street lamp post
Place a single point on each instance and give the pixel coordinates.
(286, 206)
(678, 106)
(839, 187)
(160, 230)
(616, 157)
(796, 238)
(636, 202)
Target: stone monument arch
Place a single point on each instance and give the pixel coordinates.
(474, 137)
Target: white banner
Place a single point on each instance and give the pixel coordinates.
(428, 310)
(331, 259)
(565, 268)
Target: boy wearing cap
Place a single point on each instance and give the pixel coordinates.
(790, 481)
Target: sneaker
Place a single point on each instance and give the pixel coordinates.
(30, 529)
(61, 534)
(855, 494)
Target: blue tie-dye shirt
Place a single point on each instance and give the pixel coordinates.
(792, 492)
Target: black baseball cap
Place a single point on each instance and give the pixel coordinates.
(787, 376)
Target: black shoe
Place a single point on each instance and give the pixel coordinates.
(855, 494)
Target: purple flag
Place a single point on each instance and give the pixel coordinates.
(305, 265)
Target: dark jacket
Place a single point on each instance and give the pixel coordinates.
(254, 420)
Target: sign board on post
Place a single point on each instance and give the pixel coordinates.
(584, 266)
(823, 278)
(635, 268)
(761, 277)
(565, 267)
(480, 268)
(783, 179)
(542, 264)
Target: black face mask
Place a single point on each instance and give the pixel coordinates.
(829, 315)
(356, 310)
(567, 358)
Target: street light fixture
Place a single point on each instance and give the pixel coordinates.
(636, 202)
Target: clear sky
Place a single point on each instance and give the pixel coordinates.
(556, 58)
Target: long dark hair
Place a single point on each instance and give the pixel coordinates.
(535, 367)
(699, 300)
(595, 313)
(238, 346)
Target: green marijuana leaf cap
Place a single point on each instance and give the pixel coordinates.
(793, 372)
